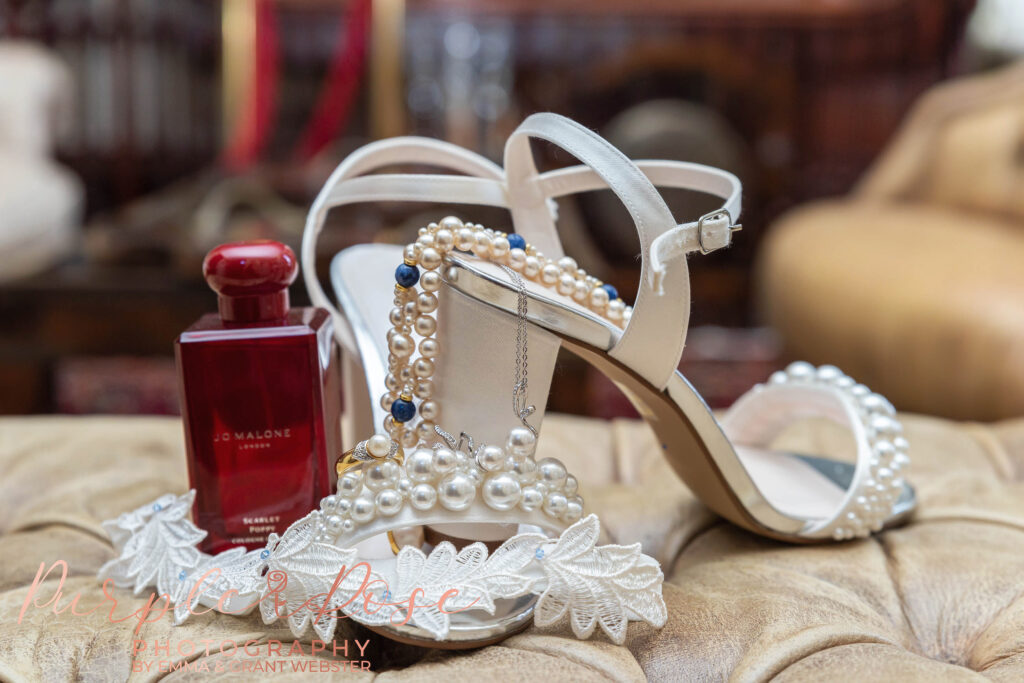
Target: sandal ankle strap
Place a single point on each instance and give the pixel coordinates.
(654, 338)
(653, 341)
(344, 187)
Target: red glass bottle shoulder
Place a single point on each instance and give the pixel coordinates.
(297, 322)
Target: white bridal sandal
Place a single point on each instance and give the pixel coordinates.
(729, 463)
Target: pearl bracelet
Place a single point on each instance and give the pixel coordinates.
(410, 375)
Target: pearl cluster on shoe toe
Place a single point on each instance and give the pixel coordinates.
(411, 363)
(872, 503)
(503, 477)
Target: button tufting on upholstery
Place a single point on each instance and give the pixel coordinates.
(940, 598)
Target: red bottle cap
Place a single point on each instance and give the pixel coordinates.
(251, 279)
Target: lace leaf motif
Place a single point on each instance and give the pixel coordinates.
(602, 586)
(154, 543)
(309, 569)
(476, 579)
(234, 569)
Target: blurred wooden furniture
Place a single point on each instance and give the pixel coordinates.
(802, 94)
(813, 87)
(78, 311)
(914, 284)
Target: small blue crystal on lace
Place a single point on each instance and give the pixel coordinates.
(539, 553)
(265, 554)
(182, 575)
(157, 507)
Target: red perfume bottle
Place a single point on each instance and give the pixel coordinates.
(260, 397)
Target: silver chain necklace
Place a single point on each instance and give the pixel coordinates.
(519, 389)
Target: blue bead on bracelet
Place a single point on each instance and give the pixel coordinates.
(407, 275)
(403, 409)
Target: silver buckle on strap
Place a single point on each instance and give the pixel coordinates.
(717, 213)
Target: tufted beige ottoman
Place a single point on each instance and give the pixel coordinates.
(940, 599)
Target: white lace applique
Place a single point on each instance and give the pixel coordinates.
(476, 579)
(292, 577)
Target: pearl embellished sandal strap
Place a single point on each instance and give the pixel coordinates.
(802, 392)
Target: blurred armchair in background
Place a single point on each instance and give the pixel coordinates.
(40, 201)
(914, 283)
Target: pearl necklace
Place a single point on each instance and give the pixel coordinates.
(410, 374)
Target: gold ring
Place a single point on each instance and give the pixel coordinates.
(394, 544)
(348, 460)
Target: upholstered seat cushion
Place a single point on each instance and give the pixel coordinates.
(913, 283)
(921, 303)
(939, 598)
